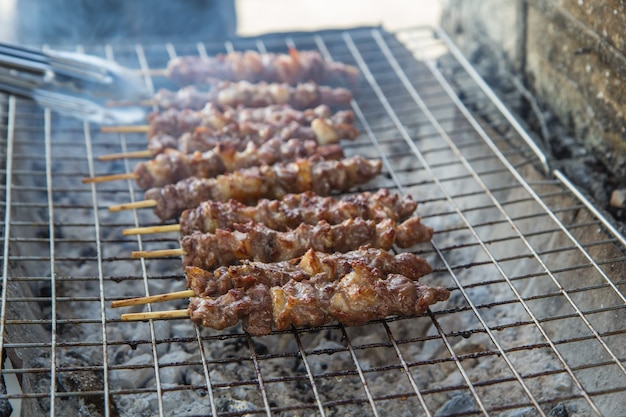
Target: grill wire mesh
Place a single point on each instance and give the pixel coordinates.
(534, 326)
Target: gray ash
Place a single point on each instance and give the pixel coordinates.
(143, 369)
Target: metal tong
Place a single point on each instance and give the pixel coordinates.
(74, 84)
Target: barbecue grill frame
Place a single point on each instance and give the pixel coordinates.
(490, 124)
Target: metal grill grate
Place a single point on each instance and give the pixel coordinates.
(535, 324)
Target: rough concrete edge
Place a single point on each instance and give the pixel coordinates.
(579, 31)
(534, 114)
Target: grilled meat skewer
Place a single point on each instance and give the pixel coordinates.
(204, 138)
(172, 166)
(233, 94)
(294, 209)
(297, 66)
(219, 281)
(267, 181)
(360, 296)
(175, 122)
(260, 243)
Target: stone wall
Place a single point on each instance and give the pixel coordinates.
(570, 54)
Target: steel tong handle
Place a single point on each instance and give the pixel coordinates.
(67, 81)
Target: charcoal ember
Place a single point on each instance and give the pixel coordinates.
(5, 406)
(142, 332)
(524, 412)
(72, 381)
(68, 381)
(587, 175)
(136, 372)
(559, 411)
(232, 405)
(458, 404)
(176, 375)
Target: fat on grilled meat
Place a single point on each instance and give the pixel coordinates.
(172, 166)
(258, 242)
(292, 68)
(267, 181)
(294, 209)
(305, 95)
(274, 274)
(175, 122)
(360, 296)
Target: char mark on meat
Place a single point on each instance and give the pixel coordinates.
(257, 242)
(333, 266)
(307, 207)
(234, 94)
(172, 166)
(360, 296)
(175, 122)
(267, 181)
(292, 68)
(241, 134)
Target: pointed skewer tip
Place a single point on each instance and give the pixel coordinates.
(133, 205)
(148, 230)
(108, 178)
(153, 299)
(156, 315)
(163, 253)
(136, 154)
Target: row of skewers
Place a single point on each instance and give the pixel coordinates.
(250, 176)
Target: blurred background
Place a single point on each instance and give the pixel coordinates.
(322, 14)
(62, 21)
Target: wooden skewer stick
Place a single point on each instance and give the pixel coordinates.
(158, 315)
(125, 129)
(163, 253)
(133, 205)
(113, 177)
(148, 230)
(153, 299)
(136, 154)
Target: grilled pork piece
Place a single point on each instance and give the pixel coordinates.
(292, 68)
(172, 166)
(360, 296)
(204, 138)
(294, 209)
(260, 243)
(233, 94)
(267, 181)
(333, 266)
(175, 122)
